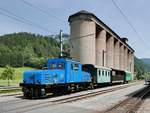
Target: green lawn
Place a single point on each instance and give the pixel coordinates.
(10, 91)
(18, 76)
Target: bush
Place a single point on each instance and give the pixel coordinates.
(8, 74)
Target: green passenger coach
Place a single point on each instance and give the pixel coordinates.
(103, 74)
(99, 74)
(128, 76)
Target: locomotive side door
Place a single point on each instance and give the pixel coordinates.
(74, 72)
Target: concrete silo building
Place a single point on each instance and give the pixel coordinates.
(93, 42)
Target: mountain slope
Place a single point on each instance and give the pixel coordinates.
(146, 60)
(143, 64)
(27, 49)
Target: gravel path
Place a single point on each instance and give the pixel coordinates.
(91, 105)
(145, 107)
(105, 101)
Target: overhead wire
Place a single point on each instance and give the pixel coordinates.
(129, 23)
(13, 16)
(41, 10)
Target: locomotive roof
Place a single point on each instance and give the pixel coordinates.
(62, 59)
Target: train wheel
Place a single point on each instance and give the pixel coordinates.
(36, 93)
(77, 87)
(27, 92)
(42, 93)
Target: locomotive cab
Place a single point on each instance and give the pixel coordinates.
(60, 74)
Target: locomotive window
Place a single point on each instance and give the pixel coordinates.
(105, 73)
(61, 66)
(108, 73)
(74, 66)
(57, 65)
(53, 66)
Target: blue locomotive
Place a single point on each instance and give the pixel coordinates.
(61, 75)
(65, 75)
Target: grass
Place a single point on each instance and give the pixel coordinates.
(10, 91)
(18, 76)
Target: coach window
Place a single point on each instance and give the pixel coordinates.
(103, 72)
(113, 73)
(99, 72)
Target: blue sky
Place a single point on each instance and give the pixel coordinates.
(137, 12)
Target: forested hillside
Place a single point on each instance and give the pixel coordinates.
(27, 49)
(146, 60)
(141, 69)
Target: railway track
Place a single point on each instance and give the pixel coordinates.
(131, 104)
(34, 104)
(87, 95)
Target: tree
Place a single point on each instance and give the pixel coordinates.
(8, 74)
(19, 49)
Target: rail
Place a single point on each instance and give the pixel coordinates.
(131, 104)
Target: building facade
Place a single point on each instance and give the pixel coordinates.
(93, 42)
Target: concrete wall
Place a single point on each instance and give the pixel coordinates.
(132, 64)
(110, 52)
(83, 41)
(92, 42)
(121, 59)
(125, 58)
(116, 54)
(101, 48)
(129, 61)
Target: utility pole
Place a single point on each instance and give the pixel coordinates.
(61, 44)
